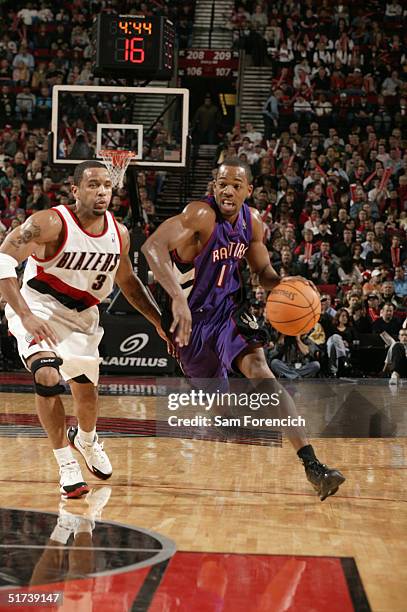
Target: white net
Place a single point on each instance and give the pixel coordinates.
(116, 162)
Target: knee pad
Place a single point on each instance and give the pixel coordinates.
(45, 390)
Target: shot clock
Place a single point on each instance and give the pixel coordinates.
(135, 46)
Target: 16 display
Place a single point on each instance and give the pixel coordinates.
(133, 46)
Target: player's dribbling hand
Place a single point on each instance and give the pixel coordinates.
(182, 320)
(39, 329)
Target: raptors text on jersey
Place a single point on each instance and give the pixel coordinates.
(214, 274)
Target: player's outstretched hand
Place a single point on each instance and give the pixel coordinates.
(182, 320)
(170, 346)
(304, 280)
(39, 329)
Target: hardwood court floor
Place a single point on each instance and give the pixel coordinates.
(217, 497)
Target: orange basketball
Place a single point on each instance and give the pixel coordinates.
(293, 307)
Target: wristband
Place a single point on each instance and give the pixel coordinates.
(7, 266)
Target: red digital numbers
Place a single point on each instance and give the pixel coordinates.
(132, 52)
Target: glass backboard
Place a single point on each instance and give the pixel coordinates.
(150, 121)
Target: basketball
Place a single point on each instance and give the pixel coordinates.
(293, 307)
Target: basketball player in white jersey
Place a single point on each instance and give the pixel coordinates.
(73, 259)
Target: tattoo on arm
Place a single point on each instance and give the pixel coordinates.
(31, 231)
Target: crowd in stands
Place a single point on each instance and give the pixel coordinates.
(330, 166)
(43, 44)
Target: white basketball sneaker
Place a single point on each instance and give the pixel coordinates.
(97, 500)
(71, 480)
(96, 458)
(394, 379)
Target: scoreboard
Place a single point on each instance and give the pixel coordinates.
(133, 46)
(210, 63)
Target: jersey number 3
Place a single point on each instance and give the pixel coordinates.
(99, 280)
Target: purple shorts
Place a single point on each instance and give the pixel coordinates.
(214, 344)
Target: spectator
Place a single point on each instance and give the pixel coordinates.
(21, 74)
(389, 296)
(38, 200)
(382, 118)
(367, 246)
(372, 284)
(361, 323)
(393, 11)
(352, 298)
(349, 272)
(9, 142)
(19, 163)
(271, 113)
(373, 307)
(286, 266)
(343, 249)
(398, 358)
(39, 75)
(25, 104)
(303, 111)
(81, 148)
(254, 136)
(376, 257)
(294, 357)
(324, 265)
(260, 294)
(25, 57)
(246, 148)
(340, 342)
(43, 107)
(400, 282)
(326, 306)
(387, 322)
(206, 122)
(259, 17)
(306, 249)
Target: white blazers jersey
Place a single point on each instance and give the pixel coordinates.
(81, 273)
(65, 290)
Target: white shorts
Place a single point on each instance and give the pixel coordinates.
(78, 333)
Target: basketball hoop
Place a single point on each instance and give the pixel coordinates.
(116, 162)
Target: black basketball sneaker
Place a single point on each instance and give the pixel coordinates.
(325, 481)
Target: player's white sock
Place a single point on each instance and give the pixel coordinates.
(84, 525)
(63, 455)
(61, 533)
(86, 437)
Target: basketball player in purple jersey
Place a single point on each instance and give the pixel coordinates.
(195, 256)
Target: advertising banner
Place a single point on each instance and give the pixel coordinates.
(131, 345)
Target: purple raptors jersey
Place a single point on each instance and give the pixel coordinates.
(213, 278)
